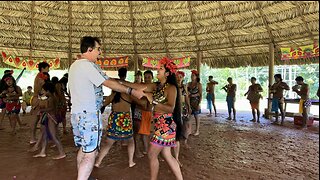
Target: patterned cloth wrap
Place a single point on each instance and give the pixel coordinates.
(304, 104)
(194, 101)
(13, 107)
(119, 126)
(164, 130)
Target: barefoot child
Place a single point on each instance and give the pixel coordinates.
(47, 105)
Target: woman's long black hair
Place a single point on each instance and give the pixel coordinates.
(171, 79)
(4, 85)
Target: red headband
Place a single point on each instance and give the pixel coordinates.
(168, 63)
(195, 72)
(7, 78)
(181, 72)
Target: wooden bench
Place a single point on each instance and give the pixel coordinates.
(294, 101)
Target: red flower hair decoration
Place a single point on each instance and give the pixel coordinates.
(168, 63)
(181, 72)
(195, 72)
(43, 76)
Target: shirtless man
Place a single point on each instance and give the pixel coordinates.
(120, 125)
(302, 89)
(210, 95)
(38, 83)
(231, 97)
(254, 97)
(277, 101)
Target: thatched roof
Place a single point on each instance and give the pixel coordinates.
(229, 34)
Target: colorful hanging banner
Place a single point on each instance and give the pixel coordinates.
(113, 62)
(300, 52)
(29, 64)
(154, 64)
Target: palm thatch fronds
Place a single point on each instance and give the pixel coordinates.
(228, 33)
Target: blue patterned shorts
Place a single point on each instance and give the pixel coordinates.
(87, 130)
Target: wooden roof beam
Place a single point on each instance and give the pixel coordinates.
(33, 4)
(70, 59)
(163, 29)
(135, 57)
(227, 27)
(194, 28)
(265, 22)
(311, 36)
(134, 33)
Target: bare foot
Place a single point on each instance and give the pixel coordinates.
(196, 134)
(40, 155)
(187, 146)
(53, 146)
(145, 152)
(139, 155)
(97, 165)
(59, 157)
(132, 164)
(32, 142)
(33, 149)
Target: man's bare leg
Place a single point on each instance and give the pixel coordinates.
(214, 107)
(86, 164)
(258, 115)
(34, 128)
(145, 143)
(282, 114)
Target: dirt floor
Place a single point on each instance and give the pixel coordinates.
(223, 150)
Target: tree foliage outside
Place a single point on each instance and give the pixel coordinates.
(241, 76)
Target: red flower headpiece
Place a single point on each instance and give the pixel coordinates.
(43, 76)
(195, 72)
(181, 72)
(7, 78)
(168, 63)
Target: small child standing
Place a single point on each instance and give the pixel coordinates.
(48, 106)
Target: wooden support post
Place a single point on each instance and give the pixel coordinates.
(31, 46)
(271, 72)
(136, 63)
(199, 60)
(70, 58)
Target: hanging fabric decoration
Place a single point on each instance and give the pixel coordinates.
(30, 64)
(154, 64)
(302, 52)
(113, 62)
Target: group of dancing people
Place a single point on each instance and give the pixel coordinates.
(167, 104)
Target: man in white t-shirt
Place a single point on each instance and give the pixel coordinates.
(85, 84)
